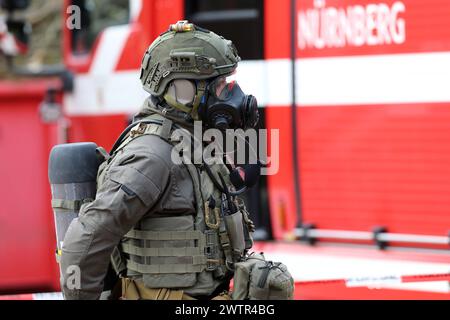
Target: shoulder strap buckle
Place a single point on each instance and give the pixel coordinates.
(139, 130)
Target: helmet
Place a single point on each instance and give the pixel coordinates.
(186, 51)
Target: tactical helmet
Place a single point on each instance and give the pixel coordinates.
(186, 51)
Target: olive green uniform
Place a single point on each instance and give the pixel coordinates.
(140, 188)
(159, 220)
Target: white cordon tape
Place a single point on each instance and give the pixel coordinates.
(378, 281)
(48, 296)
(372, 281)
(34, 296)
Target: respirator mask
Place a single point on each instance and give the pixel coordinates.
(219, 104)
(225, 106)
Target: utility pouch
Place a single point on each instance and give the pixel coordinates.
(255, 278)
(235, 228)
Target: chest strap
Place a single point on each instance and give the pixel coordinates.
(198, 265)
(190, 259)
(166, 235)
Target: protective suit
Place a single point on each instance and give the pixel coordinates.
(170, 230)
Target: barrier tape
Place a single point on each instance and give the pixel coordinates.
(34, 296)
(372, 281)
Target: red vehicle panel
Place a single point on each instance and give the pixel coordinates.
(26, 220)
(357, 92)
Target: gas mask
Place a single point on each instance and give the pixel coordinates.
(219, 104)
(226, 106)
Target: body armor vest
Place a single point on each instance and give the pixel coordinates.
(193, 253)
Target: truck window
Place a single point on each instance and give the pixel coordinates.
(238, 20)
(96, 15)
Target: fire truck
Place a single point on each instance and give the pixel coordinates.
(357, 89)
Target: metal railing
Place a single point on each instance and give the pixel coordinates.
(311, 234)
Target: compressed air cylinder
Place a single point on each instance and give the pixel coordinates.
(72, 171)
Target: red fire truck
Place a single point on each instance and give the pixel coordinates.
(359, 206)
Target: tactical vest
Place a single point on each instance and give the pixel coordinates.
(195, 254)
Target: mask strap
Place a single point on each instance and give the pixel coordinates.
(201, 88)
(192, 110)
(174, 103)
